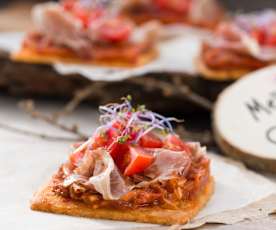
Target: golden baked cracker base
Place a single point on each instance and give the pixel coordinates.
(47, 201)
(28, 55)
(219, 75)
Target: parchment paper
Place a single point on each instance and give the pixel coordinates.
(27, 163)
(176, 55)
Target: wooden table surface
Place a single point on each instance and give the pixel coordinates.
(16, 16)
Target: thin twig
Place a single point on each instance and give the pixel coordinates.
(191, 95)
(79, 96)
(29, 107)
(176, 89)
(167, 88)
(35, 134)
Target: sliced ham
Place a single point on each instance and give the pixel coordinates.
(167, 163)
(106, 178)
(205, 10)
(237, 36)
(149, 31)
(86, 165)
(60, 26)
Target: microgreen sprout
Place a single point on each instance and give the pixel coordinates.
(123, 139)
(138, 120)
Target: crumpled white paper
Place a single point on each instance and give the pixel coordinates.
(176, 55)
(27, 163)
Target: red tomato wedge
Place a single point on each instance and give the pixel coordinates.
(82, 14)
(118, 149)
(150, 141)
(271, 37)
(112, 144)
(100, 140)
(121, 156)
(118, 125)
(271, 40)
(259, 35)
(179, 6)
(114, 131)
(264, 37)
(114, 30)
(139, 161)
(68, 4)
(173, 142)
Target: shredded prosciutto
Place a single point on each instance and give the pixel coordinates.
(227, 31)
(84, 15)
(173, 142)
(139, 161)
(114, 30)
(179, 6)
(76, 157)
(150, 141)
(76, 145)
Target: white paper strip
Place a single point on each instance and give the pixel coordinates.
(27, 163)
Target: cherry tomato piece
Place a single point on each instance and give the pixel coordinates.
(68, 4)
(150, 141)
(139, 161)
(259, 35)
(114, 30)
(271, 40)
(179, 6)
(100, 140)
(173, 142)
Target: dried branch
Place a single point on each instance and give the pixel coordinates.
(204, 137)
(176, 89)
(29, 107)
(191, 95)
(35, 134)
(79, 96)
(169, 89)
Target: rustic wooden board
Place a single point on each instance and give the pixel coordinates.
(244, 120)
(161, 92)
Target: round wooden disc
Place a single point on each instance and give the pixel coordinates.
(244, 120)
